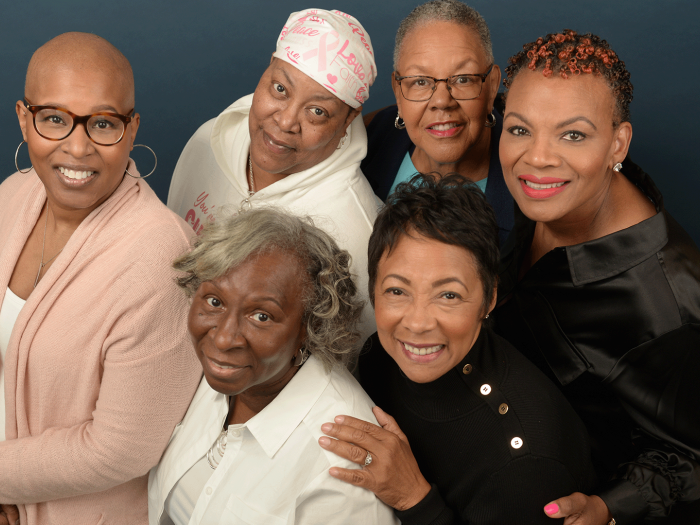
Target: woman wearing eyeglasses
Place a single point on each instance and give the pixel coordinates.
(96, 362)
(444, 121)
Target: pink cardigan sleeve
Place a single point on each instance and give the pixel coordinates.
(149, 375)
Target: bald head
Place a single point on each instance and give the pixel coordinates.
(80, 52)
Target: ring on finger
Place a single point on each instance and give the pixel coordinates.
(368, 458)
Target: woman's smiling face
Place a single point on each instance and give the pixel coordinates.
(295, 123)
(247, 325)
(443, 128)
(428, 305)
(559, 145)
(83, 91)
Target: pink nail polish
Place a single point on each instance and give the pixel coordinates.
(552, 508)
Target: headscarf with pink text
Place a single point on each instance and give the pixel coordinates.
(334, 49)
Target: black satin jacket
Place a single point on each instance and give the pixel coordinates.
(615, 322)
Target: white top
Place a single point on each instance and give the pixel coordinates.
(182, 499)
(273, 471)
(10, 309)
(211, 174)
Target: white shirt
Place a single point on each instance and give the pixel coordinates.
(11, 307)
(273, 472)
(211, 175)
(179, 506)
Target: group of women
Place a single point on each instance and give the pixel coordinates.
(204, 379)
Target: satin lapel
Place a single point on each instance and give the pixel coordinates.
(565, 360)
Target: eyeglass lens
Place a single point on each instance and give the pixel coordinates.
(56, 124)
(462, 87)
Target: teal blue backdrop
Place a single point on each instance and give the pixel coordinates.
(192, 59)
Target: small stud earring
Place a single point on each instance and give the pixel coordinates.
(617, 167)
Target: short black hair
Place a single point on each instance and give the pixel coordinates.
(450, 209)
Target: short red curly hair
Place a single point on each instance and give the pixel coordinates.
(570, 54)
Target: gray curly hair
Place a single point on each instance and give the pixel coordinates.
(332, 307)
(444, 11)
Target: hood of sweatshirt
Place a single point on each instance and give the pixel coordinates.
(230, 142)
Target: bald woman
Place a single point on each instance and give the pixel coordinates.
(96, 362)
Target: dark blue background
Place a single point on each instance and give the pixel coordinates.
(192, 59)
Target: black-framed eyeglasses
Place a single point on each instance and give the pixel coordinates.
(419, 88)
(54, 123)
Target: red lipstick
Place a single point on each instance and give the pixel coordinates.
(542, 187)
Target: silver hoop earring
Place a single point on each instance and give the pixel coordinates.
(342, 141)
(617, 167)
(490, 120)
(155, 158)
(397, 124)
(301, 357)
(16, 166)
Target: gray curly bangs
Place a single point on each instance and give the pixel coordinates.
(332, 307)
(444, 11)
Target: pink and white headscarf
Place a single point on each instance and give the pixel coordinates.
(332, 48)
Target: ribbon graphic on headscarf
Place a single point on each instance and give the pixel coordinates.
(333, 48)
(322, 49)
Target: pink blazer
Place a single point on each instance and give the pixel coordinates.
(99, 368)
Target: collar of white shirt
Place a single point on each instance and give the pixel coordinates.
(202, 423)
(276, 422)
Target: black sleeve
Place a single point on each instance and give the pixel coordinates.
(431, 510)
(650, 486)
(667, 471)
(517, 493)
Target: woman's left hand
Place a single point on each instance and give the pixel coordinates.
(579, 509)
(393, 474)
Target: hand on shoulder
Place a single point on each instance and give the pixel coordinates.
(388, 466)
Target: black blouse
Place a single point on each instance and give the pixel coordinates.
(615, 323)
(493, 436)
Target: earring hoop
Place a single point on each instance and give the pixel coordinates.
(155, 158)
(342, 140)
(490, 120)
(397, 124)
(16, 166)
(617, 167)
(304, 354)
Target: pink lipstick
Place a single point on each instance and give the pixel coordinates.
(542, 187)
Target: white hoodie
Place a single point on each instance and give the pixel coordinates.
(212, 173)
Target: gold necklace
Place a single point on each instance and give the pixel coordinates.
(245, 203)
(251, 178)
(43, 245)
